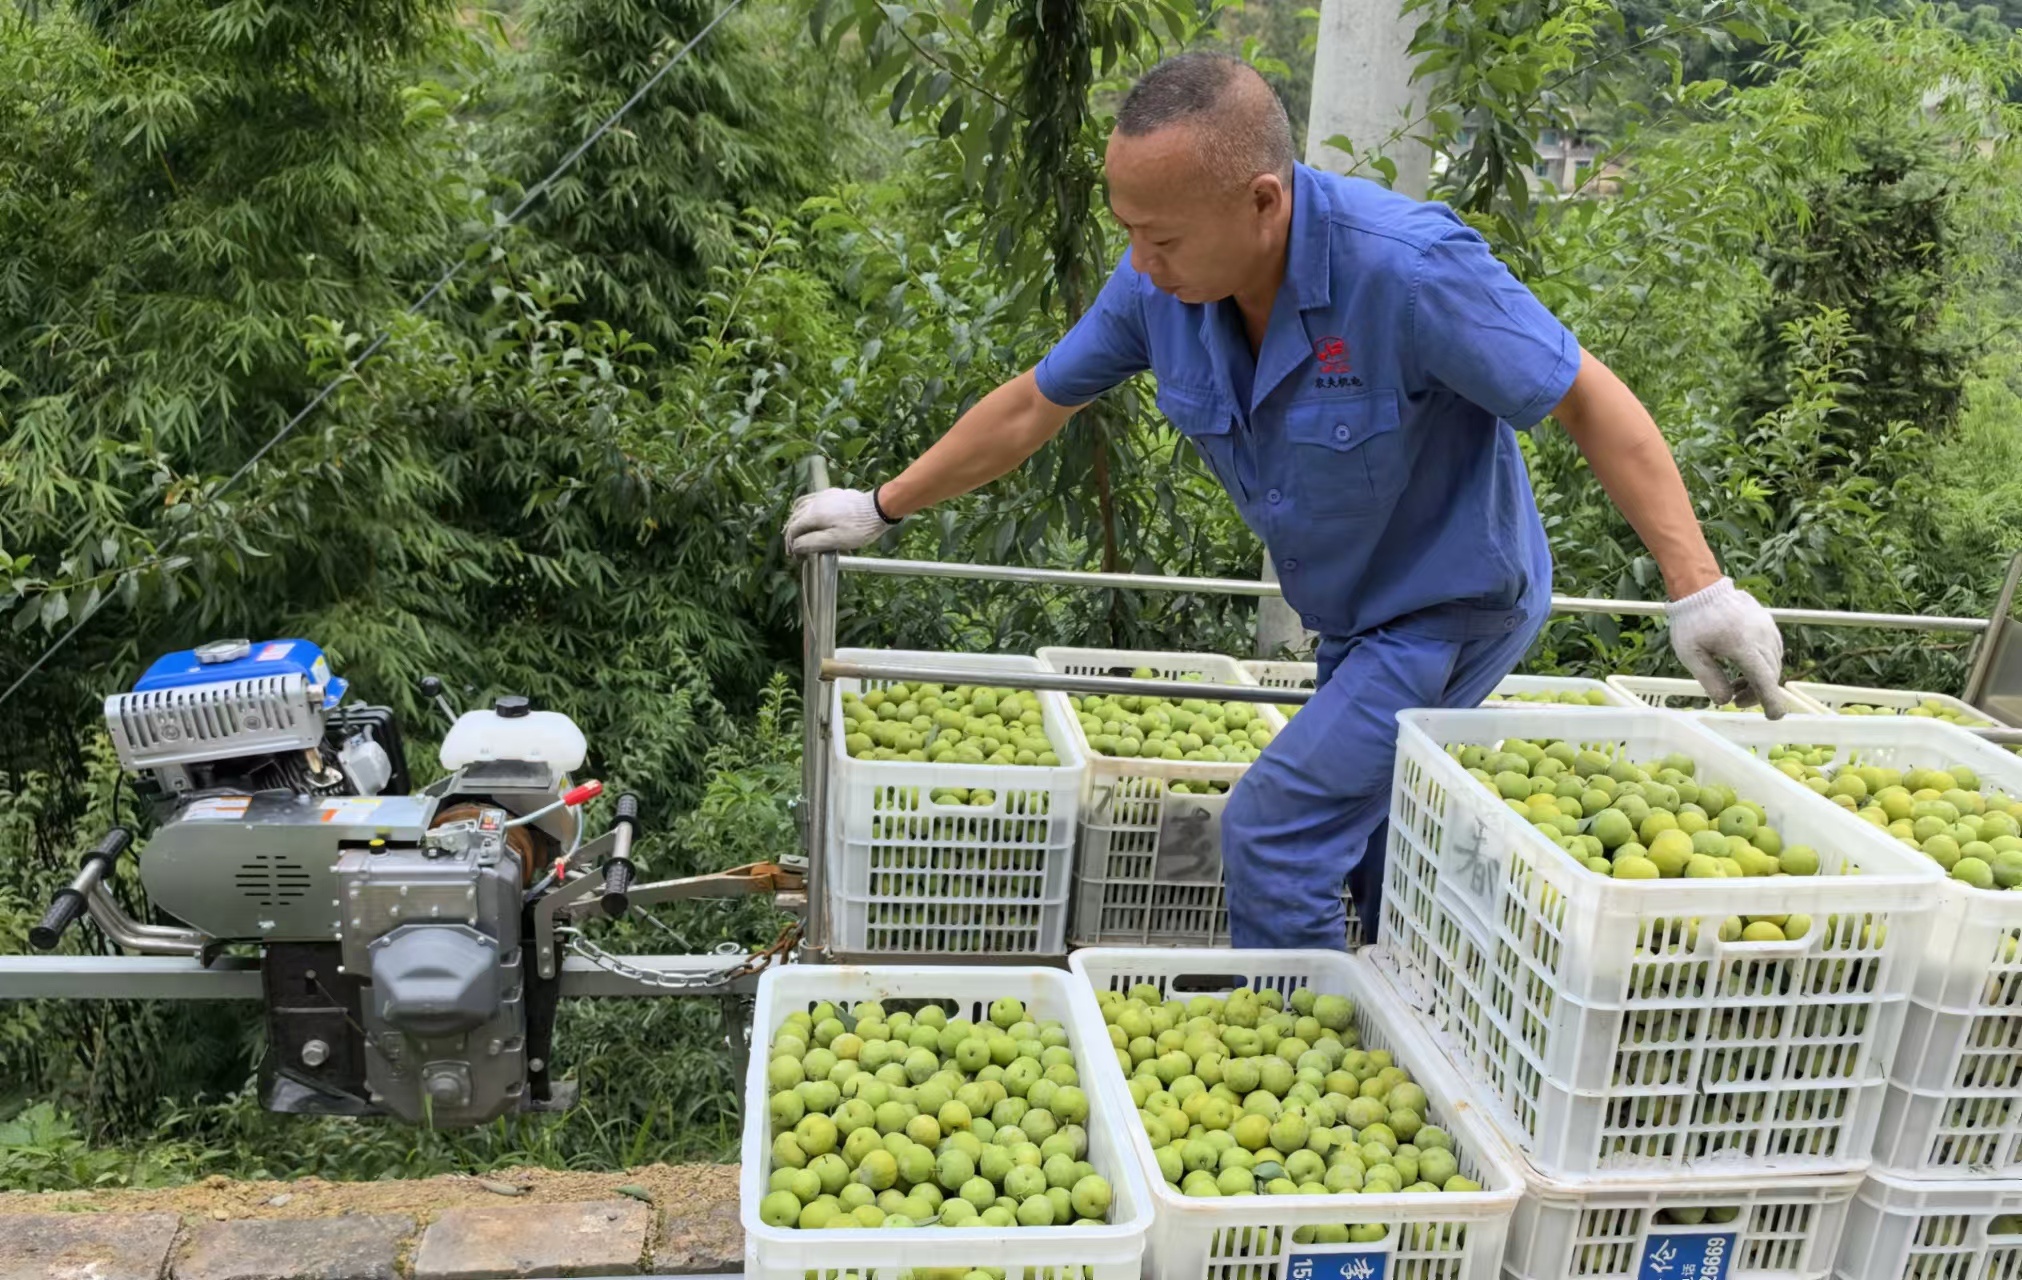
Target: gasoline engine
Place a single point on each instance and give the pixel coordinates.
(395, 928)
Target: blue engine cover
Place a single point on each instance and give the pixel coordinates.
(260, 658)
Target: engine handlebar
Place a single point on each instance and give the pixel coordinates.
(619, 872)
(68, 904)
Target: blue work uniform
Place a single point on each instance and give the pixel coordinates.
(1371, 443)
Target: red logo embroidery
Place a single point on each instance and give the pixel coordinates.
(1332, 354)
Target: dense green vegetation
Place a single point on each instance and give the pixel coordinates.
(830, 230)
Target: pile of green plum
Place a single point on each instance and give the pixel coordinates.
(930, 723)
(1155, 728)
(1563, 697)
(1975, 835)
(1260, 1094)
(909, 1120)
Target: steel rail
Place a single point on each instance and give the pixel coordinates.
(126, 977)
(1245, 587)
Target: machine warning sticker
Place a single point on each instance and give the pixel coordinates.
(350, 809)
(273, 652)
(1338, 1266)
(1687, 1255)
(217, 809)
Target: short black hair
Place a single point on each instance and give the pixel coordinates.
(1241, 123)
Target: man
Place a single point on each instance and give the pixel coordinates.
(1353, 366)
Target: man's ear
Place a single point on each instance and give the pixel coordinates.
(1267, 193)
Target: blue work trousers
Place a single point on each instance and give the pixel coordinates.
(1311, 812)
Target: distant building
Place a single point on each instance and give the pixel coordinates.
(1565, 161)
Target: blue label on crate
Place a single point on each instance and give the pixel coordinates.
(1337, 1266)
(1687, 1255)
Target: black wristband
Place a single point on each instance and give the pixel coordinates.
(879, 507)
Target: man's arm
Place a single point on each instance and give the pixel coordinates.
(992, 440)
(1711, 618)
(999, 432)
(1002, 430)
(1630, 459)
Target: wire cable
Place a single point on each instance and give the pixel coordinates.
(373, 348)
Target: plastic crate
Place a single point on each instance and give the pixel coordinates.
(1614, 1035)
(1673, 694)
(907, 875)
(1113, 1251)
(1954, 1101)
(1902, 1228)
(1452, 1237)
(1775, 1228)
(1511, 686)
(1831, 697)
(1302, 675)
(1150, 866)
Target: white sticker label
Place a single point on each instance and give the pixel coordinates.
(217, 809)
(273, 652)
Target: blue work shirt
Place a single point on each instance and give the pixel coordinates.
(1371, 443)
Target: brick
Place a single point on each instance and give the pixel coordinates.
(86, 1246)
(601, 1238)
(360, 1247)
(703, 1242)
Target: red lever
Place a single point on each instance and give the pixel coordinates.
(587, 791)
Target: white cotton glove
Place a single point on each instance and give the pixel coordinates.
(1723, 623)
(835, 520)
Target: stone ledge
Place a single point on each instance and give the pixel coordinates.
(78, 1246)
(362, 1247)
(602, 1238)
(700, 1242)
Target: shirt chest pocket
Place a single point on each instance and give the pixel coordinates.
(1203, 419)
(1344, 453)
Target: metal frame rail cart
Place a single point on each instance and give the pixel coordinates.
(144, 966)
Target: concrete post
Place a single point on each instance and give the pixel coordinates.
(1361, 88)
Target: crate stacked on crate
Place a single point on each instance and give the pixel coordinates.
(1562, 690)
(1946, 1189)
(1149, 870)
(1688, 1047)
(954, 855)
(1674, 694)
(1518, 690)
(1858, 700)
(1288, 1200)
(884, 1175)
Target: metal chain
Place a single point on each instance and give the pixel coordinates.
(576, 942)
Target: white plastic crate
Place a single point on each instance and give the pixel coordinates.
(1512, 686)
(1614, 1034)
(1897, 702)
(1150, 866)
(1902, 1228)
(1673, 694)
(1954, 1102)
(1832, 697)
(1762, 1228)
(908, 875)
(1302, 675)
(1458, 1236)
(1113, 1251)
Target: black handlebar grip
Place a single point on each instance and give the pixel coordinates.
(628, 813)
(69, 902)
(109, 848)
(61, 915)
(617, 887)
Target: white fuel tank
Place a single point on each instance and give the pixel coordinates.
(511, 730)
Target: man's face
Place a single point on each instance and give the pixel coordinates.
(1198, 239)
